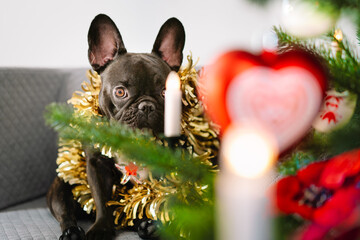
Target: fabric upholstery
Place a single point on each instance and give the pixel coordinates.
(27, 147)
(33, 221)
(28, 150)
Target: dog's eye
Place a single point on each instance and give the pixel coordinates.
(120, 92)
(163, 93)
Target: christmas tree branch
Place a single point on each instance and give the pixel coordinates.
(294, 162)
(344, 68)
(199, 221)
(189, 208)
(344, 72)
(134, 144)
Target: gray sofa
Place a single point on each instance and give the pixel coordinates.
(28, 150)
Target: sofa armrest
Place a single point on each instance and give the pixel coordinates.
(28, 148)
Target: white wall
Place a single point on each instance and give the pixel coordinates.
(43, 33)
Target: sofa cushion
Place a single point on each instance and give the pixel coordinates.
(33, 220)
(28, 148)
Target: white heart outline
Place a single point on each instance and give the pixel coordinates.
(286, 78)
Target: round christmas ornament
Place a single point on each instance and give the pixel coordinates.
(281, 92)
(336, 111)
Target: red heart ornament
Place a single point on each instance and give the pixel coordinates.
(282, 93)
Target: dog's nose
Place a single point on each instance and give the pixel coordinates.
(146, 107)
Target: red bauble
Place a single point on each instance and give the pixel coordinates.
(282, 93)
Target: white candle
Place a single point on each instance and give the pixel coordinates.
(172, 106)
(246, 158)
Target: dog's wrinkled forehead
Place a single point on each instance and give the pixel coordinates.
(139, 69)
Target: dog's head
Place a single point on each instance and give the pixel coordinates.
(132, 90)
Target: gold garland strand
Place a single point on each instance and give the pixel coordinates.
(201, 134)
(71, 157)
(147, 199)
(87, 102)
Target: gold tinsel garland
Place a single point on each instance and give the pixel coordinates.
(199, 136)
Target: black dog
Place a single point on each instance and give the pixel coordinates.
(132, 92)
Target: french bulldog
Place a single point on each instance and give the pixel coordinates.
(132, 93)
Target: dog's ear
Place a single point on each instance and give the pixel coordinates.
(104, 41)
(169, 43)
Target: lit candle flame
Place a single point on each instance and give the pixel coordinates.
(338, 35)
(248, 152)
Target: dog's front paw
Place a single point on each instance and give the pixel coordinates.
(73, 233)
(100, 232)
(149, 229)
